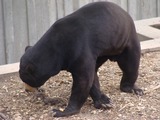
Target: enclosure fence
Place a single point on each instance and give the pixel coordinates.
(23, 22)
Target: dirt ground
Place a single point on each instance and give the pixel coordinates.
(16, 104)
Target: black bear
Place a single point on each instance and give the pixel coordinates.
(80, 43)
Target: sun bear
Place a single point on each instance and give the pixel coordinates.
(80, 43)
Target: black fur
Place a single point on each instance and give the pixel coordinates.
(80, 43)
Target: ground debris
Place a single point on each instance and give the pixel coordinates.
(3, 117)
(17, 104)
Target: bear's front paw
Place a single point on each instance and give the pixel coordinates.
(103, 103)
(66, 112)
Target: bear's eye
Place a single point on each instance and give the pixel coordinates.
(30, 69)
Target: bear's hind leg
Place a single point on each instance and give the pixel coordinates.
(129, 64)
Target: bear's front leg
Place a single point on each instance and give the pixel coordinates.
(101, 101)
(83, 76)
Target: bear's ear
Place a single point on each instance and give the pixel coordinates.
(28, 47)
